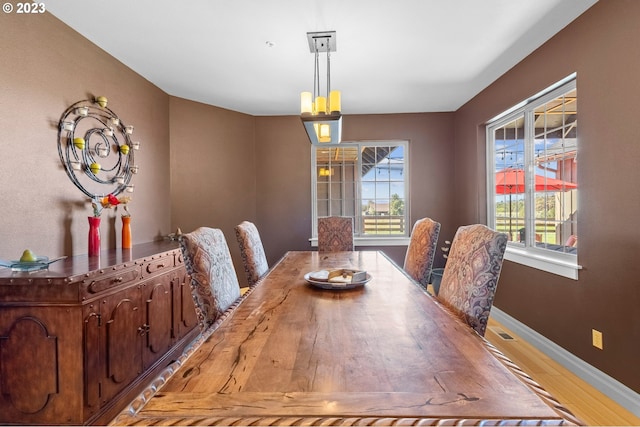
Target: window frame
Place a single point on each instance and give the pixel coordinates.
(562, 264)
(363, 240)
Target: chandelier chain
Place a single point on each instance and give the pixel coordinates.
(316, 71)
(328, 70)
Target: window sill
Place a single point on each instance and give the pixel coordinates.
(560, 264)
(372, 241)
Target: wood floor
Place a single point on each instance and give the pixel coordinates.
(587, 403)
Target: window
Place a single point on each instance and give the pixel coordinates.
(367, 181)
(533, 186)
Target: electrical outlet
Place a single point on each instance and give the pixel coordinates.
(597, 338)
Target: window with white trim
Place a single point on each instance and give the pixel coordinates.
(367, 181)
(532, 179)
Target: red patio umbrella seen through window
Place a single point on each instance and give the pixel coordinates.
(512, 181)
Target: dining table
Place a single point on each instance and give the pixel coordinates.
(299, 350)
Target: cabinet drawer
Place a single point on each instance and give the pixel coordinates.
(157, 266)
(100, 284)
(179, 258)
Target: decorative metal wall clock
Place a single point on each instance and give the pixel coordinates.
(96, 149)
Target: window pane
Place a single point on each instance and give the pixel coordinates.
(382, 190)
(336, 208)
(383, 181)
(534, 172)
(509, 179)
(322, 190)
(396, 188)
(555, 186)
(366, 181)
(335, 171)
(323, 207)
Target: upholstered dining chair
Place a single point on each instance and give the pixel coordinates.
(252, 251)
(335, 234)
(421, 250)
(214, 284)
(471, 274)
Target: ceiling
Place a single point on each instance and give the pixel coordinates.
(252, 56)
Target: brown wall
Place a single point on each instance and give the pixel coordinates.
(44, 68)
(430, 138)
(601, 46)
(284, 171)
(218, 179)
(213, 170)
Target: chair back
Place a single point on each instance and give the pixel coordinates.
(471, 274)
(421, 251)
(252, 251)
(214, 284)
(335, 234)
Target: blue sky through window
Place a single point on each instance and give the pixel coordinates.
(386, 178)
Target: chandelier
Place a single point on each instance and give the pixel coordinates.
(320, 114)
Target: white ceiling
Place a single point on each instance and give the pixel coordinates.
(393, 56)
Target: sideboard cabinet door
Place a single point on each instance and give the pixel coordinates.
(185, 315)
(39, 359)
(157, 296)
(123, 331)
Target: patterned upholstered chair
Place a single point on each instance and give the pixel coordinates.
(335, 234)
(471, 274)
(252, 251)
(421, 250)
(214, 284)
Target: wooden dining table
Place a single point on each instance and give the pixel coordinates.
(383, 353)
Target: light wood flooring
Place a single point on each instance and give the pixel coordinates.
(587, 403)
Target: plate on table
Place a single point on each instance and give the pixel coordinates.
(40, 263)
(342, 278)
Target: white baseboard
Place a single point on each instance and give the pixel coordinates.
(607, 385)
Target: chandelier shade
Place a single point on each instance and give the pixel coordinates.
(320, 113)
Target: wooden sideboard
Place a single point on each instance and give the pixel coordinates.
(80, 340)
